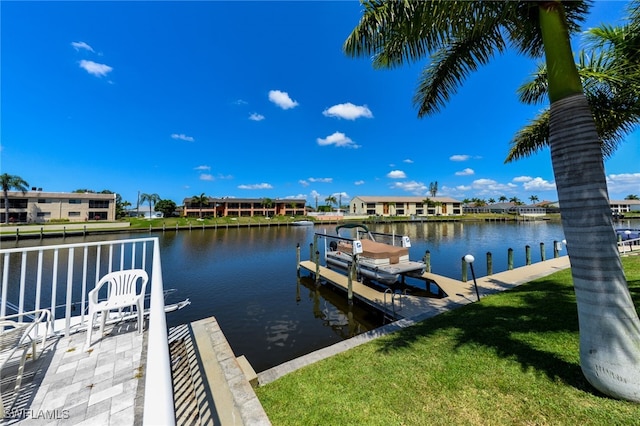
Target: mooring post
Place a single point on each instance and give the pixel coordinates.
(64, 232)
(489, 263)
(510, 259)
(298, 258)
(555, 250)
(527, 254)
(17, 234)
(350, 283)
(84, 232)
(317, 267)
(427, 261)
(542, 255)
(311, 252)
(41, 232)
(464, 270)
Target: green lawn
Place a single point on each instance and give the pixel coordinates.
(510, 359)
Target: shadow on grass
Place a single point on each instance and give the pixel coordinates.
(545, 306)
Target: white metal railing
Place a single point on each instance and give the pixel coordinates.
(626, 246)
(58, 278)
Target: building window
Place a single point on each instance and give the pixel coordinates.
(75, 201)
(74, 214)
(15, 203)
(97, 215)
(43, 201)
(44, 214)
(98, 204)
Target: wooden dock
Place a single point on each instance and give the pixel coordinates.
(458, 293)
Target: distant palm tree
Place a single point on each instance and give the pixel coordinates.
(267, 203)
(534, 199)
(515, 200)
(152, 199)
(200, 200)
(330, 200)
(8, 183)
(433, 188)
(491, 201)
(502, 199)
(632, 197)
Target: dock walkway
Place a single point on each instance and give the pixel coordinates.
(458, 292)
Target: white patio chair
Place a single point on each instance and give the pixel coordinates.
(121, 293)
(16, 335)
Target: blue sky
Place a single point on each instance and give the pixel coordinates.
(252, 99)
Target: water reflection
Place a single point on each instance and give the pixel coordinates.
(247, 278)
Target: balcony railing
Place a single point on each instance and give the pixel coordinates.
(59, 277)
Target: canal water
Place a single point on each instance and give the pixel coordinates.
(246, 278)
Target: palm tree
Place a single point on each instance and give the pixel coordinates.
(152, 199)
(491, 200)
(330, 200)
(8, 183)
(462, 35)
(632, 197)
(533, 199)
(502, 199)
(267, 203)
(433, 188)
(200, 200)
(610, 76)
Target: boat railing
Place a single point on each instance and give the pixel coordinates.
(391, 239)
(59, 277)
(627, 245)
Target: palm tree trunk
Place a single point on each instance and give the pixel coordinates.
(5, 194)
(609, 324)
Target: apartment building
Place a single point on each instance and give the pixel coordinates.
(42, 207)
(404, 206)
(243, 207)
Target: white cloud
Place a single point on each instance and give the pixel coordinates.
(465, 172)
(182, 137)
(338, 139)
(522, 179)
(459, 157)
(321, 180)
(348, 111)
(624, 184)
(539, 184)
(94, 68)
(414, 187)
(282, 99)
(396, 174)
(256, 186)
(81, 45)
(303, 182)
(256, 117)
(491, 187)
(358, 182)
(240, 102)
(203, 167)
(206, 176)
(408, 161)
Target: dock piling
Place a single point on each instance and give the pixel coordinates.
(489, 263)
(527, 254)
(427, 261)
(463, 265)
(510, 259)
(542, 255)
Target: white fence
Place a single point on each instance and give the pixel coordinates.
(58, 278)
